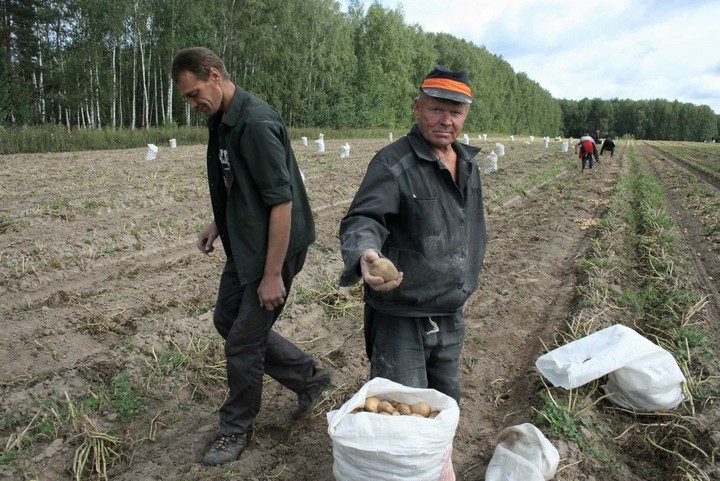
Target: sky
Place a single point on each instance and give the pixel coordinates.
(626, 49)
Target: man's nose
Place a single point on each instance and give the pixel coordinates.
(446, 118)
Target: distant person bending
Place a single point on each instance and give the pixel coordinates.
(608, 145)
(420, 205)
(586, 150)
(263, 218)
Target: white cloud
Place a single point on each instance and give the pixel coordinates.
(641, 49)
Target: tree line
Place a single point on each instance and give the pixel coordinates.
(106, 64)
(656, 119)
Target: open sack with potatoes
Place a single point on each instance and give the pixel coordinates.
(388, 431)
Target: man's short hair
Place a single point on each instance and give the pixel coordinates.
(198, 61)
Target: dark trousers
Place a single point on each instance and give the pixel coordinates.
(419, 352)
(586, 158)
(252, 348)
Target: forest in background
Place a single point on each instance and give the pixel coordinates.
(96, 64)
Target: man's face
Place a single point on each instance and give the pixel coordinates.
(440, 121)
(205, 96)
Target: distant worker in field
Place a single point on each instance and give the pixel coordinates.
(263, 218)
(596, 139)
(608, 145)
(586, 150)
(419, 206)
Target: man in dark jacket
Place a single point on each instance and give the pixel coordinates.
(608, 145)
(420, 205)
(596, 141)
(262, 215)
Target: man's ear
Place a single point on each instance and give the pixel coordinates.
(214, 75)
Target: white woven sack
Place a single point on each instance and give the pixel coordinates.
(369, 446)
(490, 163)
(523, 453)
(645, 376)
(594, 356)
(653, 384)
(152, 152)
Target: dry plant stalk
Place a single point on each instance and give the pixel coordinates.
(97, 451)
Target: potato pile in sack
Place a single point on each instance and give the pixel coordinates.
(388, 431)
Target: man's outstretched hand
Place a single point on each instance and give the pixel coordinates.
(376, 283)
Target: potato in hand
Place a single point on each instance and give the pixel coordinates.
(384, 268)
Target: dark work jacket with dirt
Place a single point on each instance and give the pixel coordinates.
(409, 209)
(257, 172)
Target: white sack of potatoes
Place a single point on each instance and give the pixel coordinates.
(344, 150)
(370, 446)
(152, 152)
(523, 453)
(644, 375)
(490, 163)
(653, 384)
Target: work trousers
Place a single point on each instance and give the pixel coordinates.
(253, 348)
(419, 352)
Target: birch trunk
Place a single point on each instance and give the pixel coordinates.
(113, 87)
(146, 101)
(133, 106)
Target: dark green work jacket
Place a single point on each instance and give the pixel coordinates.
(251, 167)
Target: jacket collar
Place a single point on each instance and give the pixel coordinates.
(465, 153)
(231, 117)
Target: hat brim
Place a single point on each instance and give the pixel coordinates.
(447, 95)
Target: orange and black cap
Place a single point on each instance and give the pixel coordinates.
(446, 84)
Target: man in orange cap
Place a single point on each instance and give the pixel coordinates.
(420, 206)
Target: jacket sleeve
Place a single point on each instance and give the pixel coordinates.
(262, 146)
(364, 226)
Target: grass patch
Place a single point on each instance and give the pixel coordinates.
(336, 302)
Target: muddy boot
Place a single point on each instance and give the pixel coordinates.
(225, 449)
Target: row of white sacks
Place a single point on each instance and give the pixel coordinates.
(490, 164)
(641, 376)
(345, 149)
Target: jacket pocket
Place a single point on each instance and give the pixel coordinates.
(416, 287)
(425, 217)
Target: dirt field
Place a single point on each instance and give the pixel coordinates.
(106, 311)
